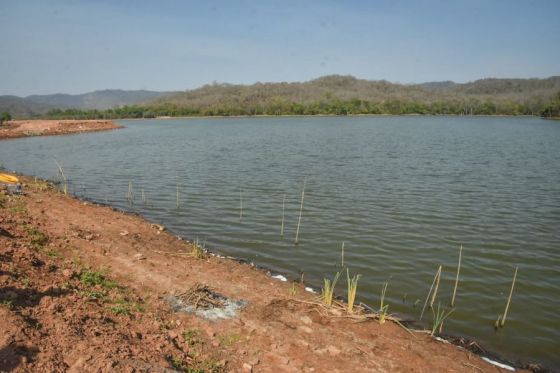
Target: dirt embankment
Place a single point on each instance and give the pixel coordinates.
(41, 127)
(85, 288)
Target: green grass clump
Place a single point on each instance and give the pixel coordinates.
(229, 339)
(352, 288)
(125, 307)
(198, 250)
(18, 206)
(93, 278)
(293, 290)
(328, 290)
(192, 337)
(383, 308)
(439, 317)
(38, 238)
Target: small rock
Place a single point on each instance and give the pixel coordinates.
(139, 256)
(302, 343)
(68, 273)
(333, 351)
(247, 367)
(305, 329)
(124, 233)
(306, 320)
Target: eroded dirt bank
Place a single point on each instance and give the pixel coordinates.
(39, 127)
(83, 288)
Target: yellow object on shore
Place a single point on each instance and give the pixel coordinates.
(7, 178)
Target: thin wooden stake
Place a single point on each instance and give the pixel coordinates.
(503, 321)
(296, 241)
(457, 278)
(430, 292)
(240, 203)
(177, 195)
(434, 294)
(283, 208)
(342, 255)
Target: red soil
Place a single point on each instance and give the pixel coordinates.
(24, 128)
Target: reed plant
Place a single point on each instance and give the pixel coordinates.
(383, 308)
(198, 250)
(439, 317)
(328, 290)
(352, 287)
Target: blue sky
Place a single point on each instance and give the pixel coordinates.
(80, 46)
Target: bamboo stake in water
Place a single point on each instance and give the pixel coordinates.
(177, 195)
(509, 298)
(342, 255)
(129, 194)
(240, 203)
(457, 278)
(296, 241)
(283, 208)
(436, 288)
(143, 196)
(430, 292)
(65, 186)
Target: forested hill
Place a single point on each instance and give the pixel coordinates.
(330, 95)
(348, 95)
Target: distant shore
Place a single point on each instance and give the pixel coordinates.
(46, 127)
(336, 116)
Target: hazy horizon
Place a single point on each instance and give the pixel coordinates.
(78, 47)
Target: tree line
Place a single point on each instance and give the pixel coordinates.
(279, 106)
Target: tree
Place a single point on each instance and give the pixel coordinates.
(4, 117)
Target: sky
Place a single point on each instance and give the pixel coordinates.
(58, 46)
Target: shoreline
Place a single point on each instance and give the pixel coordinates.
(43, 127)
(338, 116)
(249, 283)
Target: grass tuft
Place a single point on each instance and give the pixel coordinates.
(439, 317)
(328, 290)
(352, 287)
(383, 308)
(93, 278)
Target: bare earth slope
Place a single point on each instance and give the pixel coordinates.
(83, 287)
(24, 128)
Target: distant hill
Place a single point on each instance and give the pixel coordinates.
(333, 94)
(98, 100)
(336, 94)
(20, 107)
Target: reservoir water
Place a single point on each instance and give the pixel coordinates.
(403, 193)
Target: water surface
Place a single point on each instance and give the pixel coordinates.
(403, 193)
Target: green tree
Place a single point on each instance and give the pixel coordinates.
(4, 117)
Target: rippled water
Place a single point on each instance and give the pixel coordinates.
(402, 193)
